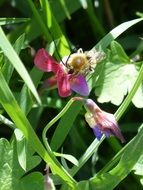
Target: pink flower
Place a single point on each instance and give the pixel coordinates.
(101, 122)
(63, 79)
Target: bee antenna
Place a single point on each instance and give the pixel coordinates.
(67, 59)
(73, 50)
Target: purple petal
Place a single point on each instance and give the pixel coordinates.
(108, 132)
(79, 85)
(116, 132)
(90, 105)
(97, 132)
(111, 127)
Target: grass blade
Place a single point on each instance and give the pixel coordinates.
(17, 63)
(5, 21)
(117, 31)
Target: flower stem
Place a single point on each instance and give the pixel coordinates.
(54, 120)
(85, 157)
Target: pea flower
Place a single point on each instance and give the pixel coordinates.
(101, 122)
(65, 79)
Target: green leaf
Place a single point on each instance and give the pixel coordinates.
(25, 99)
(138, 168)
(119, 52)
(8, 68)
(5, 21)
(21, 148)
(138, 97)
(116, 78)
(83, 185)
(131, 154)
(114, 82)
(64, 163)
(32, 181)
(16, 62)
(12, 174)
(68, 157)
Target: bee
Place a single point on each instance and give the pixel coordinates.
(83, 62)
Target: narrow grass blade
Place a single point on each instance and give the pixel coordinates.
(67, 13)
(113, 34)
(8, 68)
(16, 62)
(50, 26)
(5, 21)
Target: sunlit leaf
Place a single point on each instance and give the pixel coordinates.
(84, 185)
(21, 148)
(68, 157)
(119, 52)
(117, 76)
(138, 168)
(12, 174)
